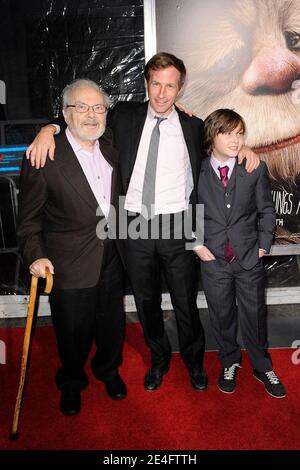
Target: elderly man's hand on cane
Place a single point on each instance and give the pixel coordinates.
(38, 267)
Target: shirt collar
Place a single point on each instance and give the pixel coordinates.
(216, 163)
(151, 113)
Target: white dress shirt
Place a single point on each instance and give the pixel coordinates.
(174, 181)
(96, 169)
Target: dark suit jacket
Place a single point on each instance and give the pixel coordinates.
(127, 120)
(243, 212)
(57, 215)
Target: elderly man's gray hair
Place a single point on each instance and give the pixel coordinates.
(82, 83)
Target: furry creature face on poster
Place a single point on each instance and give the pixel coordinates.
(245, 55)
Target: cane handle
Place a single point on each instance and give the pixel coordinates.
(49, 282)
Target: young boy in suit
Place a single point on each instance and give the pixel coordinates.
(239, 221)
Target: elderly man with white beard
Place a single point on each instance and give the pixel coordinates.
(58, 215)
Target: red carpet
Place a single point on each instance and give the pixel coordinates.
(175, 417)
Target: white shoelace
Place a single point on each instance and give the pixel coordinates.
(229, 372)
(272, 377)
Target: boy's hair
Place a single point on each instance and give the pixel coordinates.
(220, 121)
(163, 60)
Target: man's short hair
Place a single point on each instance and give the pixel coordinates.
(82, 83)
(163, 60)
(220, 121)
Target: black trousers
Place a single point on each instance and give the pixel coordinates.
(145, 258)
(226, 284)
(81, 315)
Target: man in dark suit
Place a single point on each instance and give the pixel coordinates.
(178, 164)
(239, 222)
(60, 208)
(158, 132)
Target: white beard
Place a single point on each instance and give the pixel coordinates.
(88, 136)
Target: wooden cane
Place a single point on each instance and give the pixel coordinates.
(27, 335)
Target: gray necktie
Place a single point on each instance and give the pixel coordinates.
(148, 197)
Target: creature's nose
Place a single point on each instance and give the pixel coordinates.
(272, 70)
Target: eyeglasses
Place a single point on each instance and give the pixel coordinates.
(84, 108)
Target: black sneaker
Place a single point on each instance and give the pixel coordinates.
(227, 379)
(272, 383)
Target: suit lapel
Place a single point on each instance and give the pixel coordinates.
(138, 121)
(213, 187)
(110, 155)
(73, 173)
(189, 140)
(232, 181)
(237, 186)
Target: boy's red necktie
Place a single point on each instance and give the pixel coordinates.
(228, 250)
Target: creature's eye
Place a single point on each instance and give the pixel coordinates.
(292, 40)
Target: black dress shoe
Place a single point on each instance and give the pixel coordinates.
(70, 403)
(153, 379)
(116, 388)
(199, 380)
